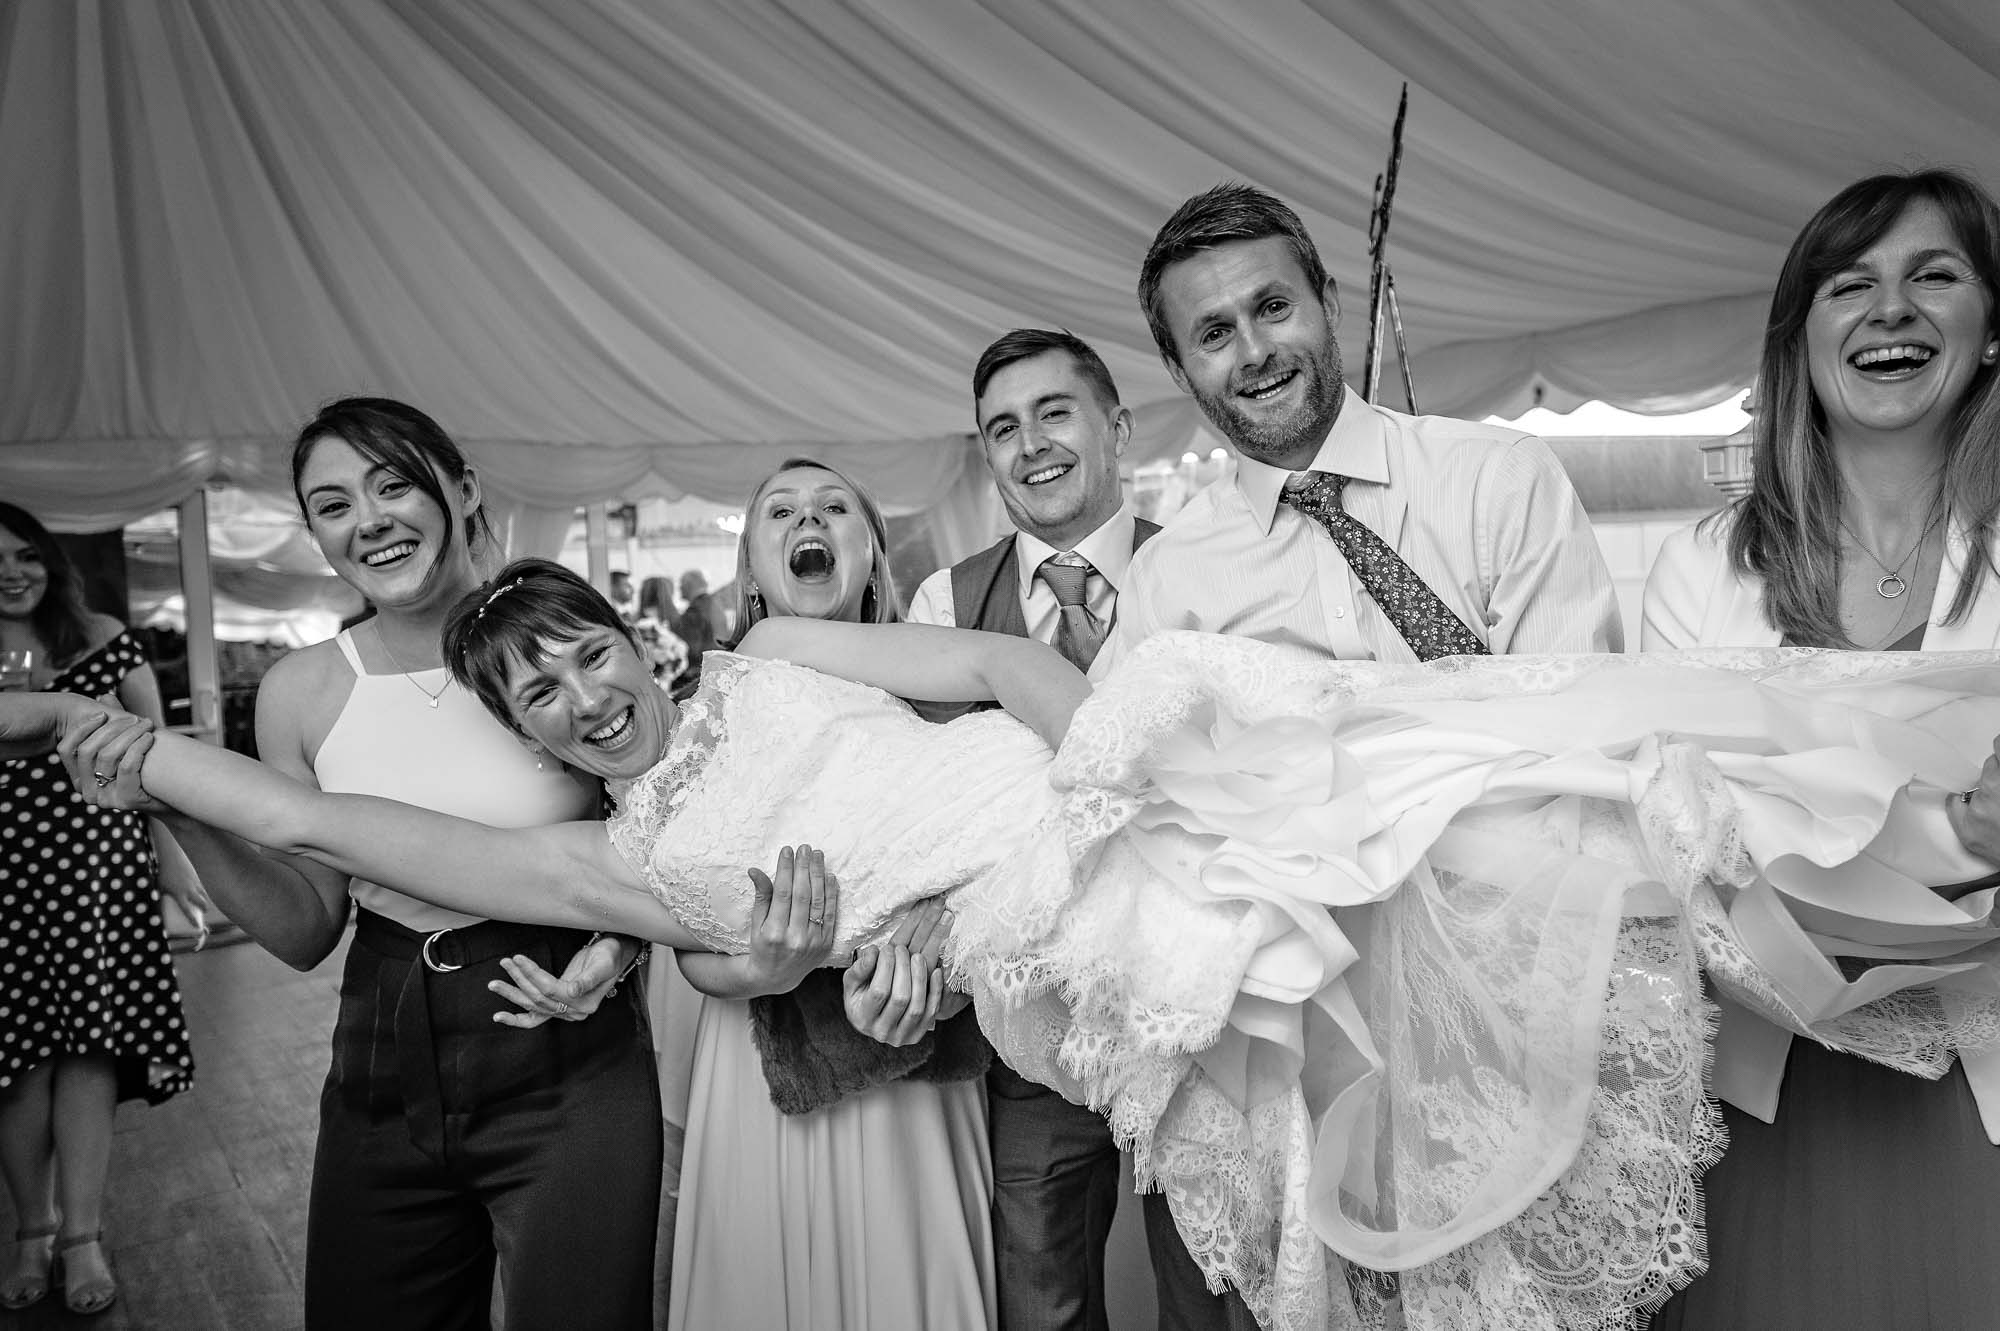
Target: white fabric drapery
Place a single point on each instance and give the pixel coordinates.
(630, 245)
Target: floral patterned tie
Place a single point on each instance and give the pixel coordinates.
(1426, 623)
(1079, 633)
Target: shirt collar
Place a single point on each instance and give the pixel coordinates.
(1356, 446)
(1109, 550)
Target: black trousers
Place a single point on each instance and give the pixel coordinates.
(450, 1144)
(1055, 1189)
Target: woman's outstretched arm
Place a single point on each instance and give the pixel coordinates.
(1028, 678)
(32, 723)
(563, 874)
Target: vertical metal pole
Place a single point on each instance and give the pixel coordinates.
(198, 589)
(1402, 349)
(596, 539)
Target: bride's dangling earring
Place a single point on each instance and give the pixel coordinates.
(756, 599)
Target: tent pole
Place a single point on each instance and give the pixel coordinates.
(198, 590)
(1402, 350)
(596, 540)
(1381, 285)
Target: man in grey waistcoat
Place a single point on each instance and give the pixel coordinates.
(1052, 429)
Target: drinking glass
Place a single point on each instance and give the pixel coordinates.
(17, 669)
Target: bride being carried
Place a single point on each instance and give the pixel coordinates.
(1375, 967)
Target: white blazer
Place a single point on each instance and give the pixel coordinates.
(1695, 599)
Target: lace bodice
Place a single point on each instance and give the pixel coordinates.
(770, 755)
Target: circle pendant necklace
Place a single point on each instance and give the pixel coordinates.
(1892, 583)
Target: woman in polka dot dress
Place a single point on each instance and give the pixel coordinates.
(90, 1013)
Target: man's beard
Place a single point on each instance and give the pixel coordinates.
(1306, 427)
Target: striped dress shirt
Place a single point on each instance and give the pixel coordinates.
(1483, 514)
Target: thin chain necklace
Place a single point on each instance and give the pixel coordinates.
(1891, 584)
(397, 661)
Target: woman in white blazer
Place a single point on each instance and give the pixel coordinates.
(1861, 1196)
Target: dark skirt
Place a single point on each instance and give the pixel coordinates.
(1873, 1202)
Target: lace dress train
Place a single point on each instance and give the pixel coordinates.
(1382, 969)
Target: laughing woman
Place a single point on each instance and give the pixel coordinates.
(447, 1143)
(864, 1202)
(1861, 1195)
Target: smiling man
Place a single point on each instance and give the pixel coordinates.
(1052, 428)
(1347, 528)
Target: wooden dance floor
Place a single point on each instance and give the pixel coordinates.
(205, 1217)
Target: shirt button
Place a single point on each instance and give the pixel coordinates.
(1340, 612)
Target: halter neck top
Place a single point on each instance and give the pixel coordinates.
(389, 740)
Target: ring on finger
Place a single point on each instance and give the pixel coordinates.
(562, 1008)
(101, 779)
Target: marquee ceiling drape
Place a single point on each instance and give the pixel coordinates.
(618, 246)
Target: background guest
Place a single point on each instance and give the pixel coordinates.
(1865, 1197)
(623, 598)
(90, 1011)
(656, 600)
(703, 625)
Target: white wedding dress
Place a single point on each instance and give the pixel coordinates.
(1379, 968)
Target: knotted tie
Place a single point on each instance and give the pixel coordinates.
(1426, 623)
(1078, 633)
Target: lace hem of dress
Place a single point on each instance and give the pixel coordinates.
(1490, 951)
(1518, 1158)
(1215, 765)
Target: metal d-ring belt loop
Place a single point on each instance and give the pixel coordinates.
(432, 962)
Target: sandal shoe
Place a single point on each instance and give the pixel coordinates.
(27, 1286)
(94, 1297)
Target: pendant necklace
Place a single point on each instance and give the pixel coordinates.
(397, 661)
(1891, 584)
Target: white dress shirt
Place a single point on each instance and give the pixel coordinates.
(1484, 515)
(1109, 550)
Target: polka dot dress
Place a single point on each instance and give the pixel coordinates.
(83, 956)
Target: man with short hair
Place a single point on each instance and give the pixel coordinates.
(1052, 429)
(622, 598)
(1347, 528)
(700, 622)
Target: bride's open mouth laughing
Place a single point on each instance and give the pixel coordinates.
(613, 734)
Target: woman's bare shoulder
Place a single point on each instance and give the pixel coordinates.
(299, 699)
(100, 629)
